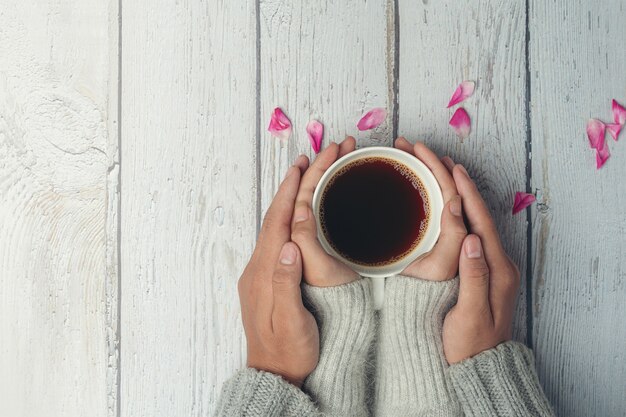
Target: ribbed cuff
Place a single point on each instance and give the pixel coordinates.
(500, 381)
(411, 364)
(345, 316)
(426, 302)
(257, 393)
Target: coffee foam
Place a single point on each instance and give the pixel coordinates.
(407, 173)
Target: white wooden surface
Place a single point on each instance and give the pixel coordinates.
(579, 288)
(188, 214)
(58, 297)
(322, 60)
(196, 169)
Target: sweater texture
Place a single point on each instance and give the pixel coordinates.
(395, 368)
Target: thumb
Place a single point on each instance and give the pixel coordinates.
(286, 281)
(474, 276)
(304, 232)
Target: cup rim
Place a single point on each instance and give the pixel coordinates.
(435, 199)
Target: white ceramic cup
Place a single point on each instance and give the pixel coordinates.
(379, 273)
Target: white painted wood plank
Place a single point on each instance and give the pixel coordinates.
(188, 199)
(577, 67)
(443, 43)
(58, 287)
(325, 60)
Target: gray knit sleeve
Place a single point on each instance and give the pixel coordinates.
(500, 382)
(410, 369)
(345, 316)
(259, 394)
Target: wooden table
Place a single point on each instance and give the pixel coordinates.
(135, 168)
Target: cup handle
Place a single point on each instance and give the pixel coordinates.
(378, 292)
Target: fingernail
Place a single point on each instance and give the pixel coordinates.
(473, 248)
(448, 162)
(463, 170)
(301, 213)
(455, 206)
(287, 254)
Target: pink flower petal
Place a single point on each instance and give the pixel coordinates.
(461, 123)
(280, 126)
(522, 200)
(595, 132)
(316, 131)
(614, 129)
(602, 155)
(463, 91)
(372, 119)
(619, 113)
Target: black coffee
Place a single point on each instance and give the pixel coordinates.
(374, 211)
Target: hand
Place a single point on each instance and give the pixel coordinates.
(442, 262)
(282, 335)
(320, 268)
(489, 281)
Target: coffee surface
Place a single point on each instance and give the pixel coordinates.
(374, 211)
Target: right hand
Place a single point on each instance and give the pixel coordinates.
(282, 334)
(319, 268)
(489, 281)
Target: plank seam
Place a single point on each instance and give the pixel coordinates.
(529, 228)
(119, 209)
(396, 70)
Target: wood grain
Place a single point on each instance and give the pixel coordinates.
(322, 60)
(188, 199)
(443, 43)
(58, 286)
(577, 61)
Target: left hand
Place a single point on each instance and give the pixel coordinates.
(282, 334)
(442, 262)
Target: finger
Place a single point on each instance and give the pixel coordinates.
(320, 269)
(404, 145)
(276, 227)
(445, 180)
(448, 162)
(302, 162)
(286, 284)
(312, 176)
(504, 289)
(347, 146)
(444, 258)
(480, 221)
(474, 277)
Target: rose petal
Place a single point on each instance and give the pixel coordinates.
(372, 119)
(463, 91)
(280, 126)
(602, 155)
(595, 132)
(619, 113)
(522, 200)
(461, 123)
(316, 131)
(614, 129)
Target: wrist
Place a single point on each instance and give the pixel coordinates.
(465, 350)
(294, 380)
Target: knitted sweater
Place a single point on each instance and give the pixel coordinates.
(397, 369)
